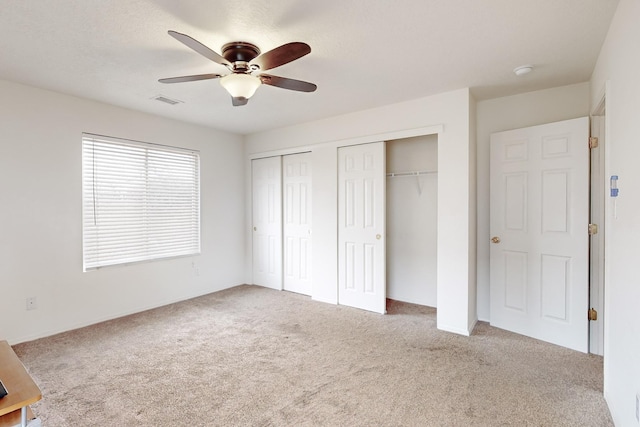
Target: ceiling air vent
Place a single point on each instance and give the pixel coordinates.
(166, 100)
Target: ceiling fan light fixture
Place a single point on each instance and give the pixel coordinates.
(240, 85)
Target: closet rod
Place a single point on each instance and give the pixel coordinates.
(416, 173)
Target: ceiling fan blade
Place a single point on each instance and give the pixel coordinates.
(238, 101)
(282, 55)
(193, 78)
(287, 83)
(198, 47)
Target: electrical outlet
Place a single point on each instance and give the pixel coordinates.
(32, 303)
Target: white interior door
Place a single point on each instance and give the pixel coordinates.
(539, 228)
(361, 227)
(267, 221)
(296, 184)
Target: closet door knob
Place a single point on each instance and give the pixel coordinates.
(495, 239)
(378, 237)
(255, 228)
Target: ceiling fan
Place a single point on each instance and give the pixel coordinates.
(243, 59)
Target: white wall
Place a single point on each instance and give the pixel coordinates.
(40, 215)
(512, 112)
(450, 112)
(618, 64)
(412, 220)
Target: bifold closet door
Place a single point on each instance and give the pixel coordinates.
(296, 184)
(361, 227)
(267, 221)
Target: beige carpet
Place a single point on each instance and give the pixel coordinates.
(250, 356)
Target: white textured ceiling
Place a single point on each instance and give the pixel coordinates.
(365, 53)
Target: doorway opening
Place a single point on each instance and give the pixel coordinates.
(412, 219)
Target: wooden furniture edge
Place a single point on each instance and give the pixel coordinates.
(19, 405)
(23, 391)
(13, 419)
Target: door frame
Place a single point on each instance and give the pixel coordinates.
(597, 285)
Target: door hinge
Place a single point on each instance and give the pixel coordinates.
(593, 314)
(593, 229)
(593, 142)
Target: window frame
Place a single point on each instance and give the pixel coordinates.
(141, 202)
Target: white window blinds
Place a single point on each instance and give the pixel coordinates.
(140, 201)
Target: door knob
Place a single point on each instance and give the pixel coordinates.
(255, 228)
(495, 239)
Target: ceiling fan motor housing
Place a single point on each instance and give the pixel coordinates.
(239, 54)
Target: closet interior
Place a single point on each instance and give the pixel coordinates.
(411, 216)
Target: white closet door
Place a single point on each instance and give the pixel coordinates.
(361, 227)
(297, 222)
(539, 216)
(267, 222)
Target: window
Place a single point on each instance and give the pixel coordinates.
(140, 201)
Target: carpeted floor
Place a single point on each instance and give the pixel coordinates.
(250, 356)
